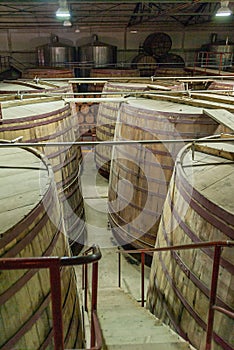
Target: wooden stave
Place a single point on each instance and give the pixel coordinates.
(35, 239)
(129, 118)
(36, 129)
(189, 288)
(106, 120)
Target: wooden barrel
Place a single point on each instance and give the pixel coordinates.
(198, 208)
(157, 44)
(145, 63)
(106, 120)
(108, 73)
(170, 72)
(31, 225)
(48, 72)
(50, 120)
(171, 60)
(140, 174)
(86, 117)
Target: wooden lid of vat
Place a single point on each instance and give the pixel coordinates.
(30, 107)
(211, 172)
(24, 180)
(30, 85)
(164, 106)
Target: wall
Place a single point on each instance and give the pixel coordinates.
(21, 44)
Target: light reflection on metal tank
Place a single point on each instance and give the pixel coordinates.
(55, 54)
(96, 55)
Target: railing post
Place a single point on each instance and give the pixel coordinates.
(119, 268)
(213, 291)
(86, 287)
(56, 304)
(142, 279)
(94, 300)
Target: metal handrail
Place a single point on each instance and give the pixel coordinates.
(217, 245)
(216, 62)
(91, 256)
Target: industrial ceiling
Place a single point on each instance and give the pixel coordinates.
(109, 14)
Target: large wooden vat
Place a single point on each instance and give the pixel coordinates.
(50, 120)
(140, 174)
(21, 86)
(108, 73)
(106, 120)
(222, 86)
(31, 225)
(199, 207)
(48, 72)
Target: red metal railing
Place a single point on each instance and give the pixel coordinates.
(217, 245)
(213, 60)
(90, 256)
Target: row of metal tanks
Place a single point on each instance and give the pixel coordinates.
(41, 212)
(172, 193)
(154, 53)
(144, 117)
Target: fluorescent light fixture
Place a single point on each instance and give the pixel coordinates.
(63, 12)
(224, 10)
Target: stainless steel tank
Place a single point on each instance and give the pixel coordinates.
(55, 54)
(96, 55)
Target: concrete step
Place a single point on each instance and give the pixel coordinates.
(126, 325)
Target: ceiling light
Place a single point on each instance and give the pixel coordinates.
(63, 12)
(67, 23)
(224, 10)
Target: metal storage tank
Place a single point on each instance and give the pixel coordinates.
(55, 54)
(96, 54)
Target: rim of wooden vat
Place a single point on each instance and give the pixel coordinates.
(216, 214)
(48, 72)
(34, 86)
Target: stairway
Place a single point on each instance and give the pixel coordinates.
(126, 325)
